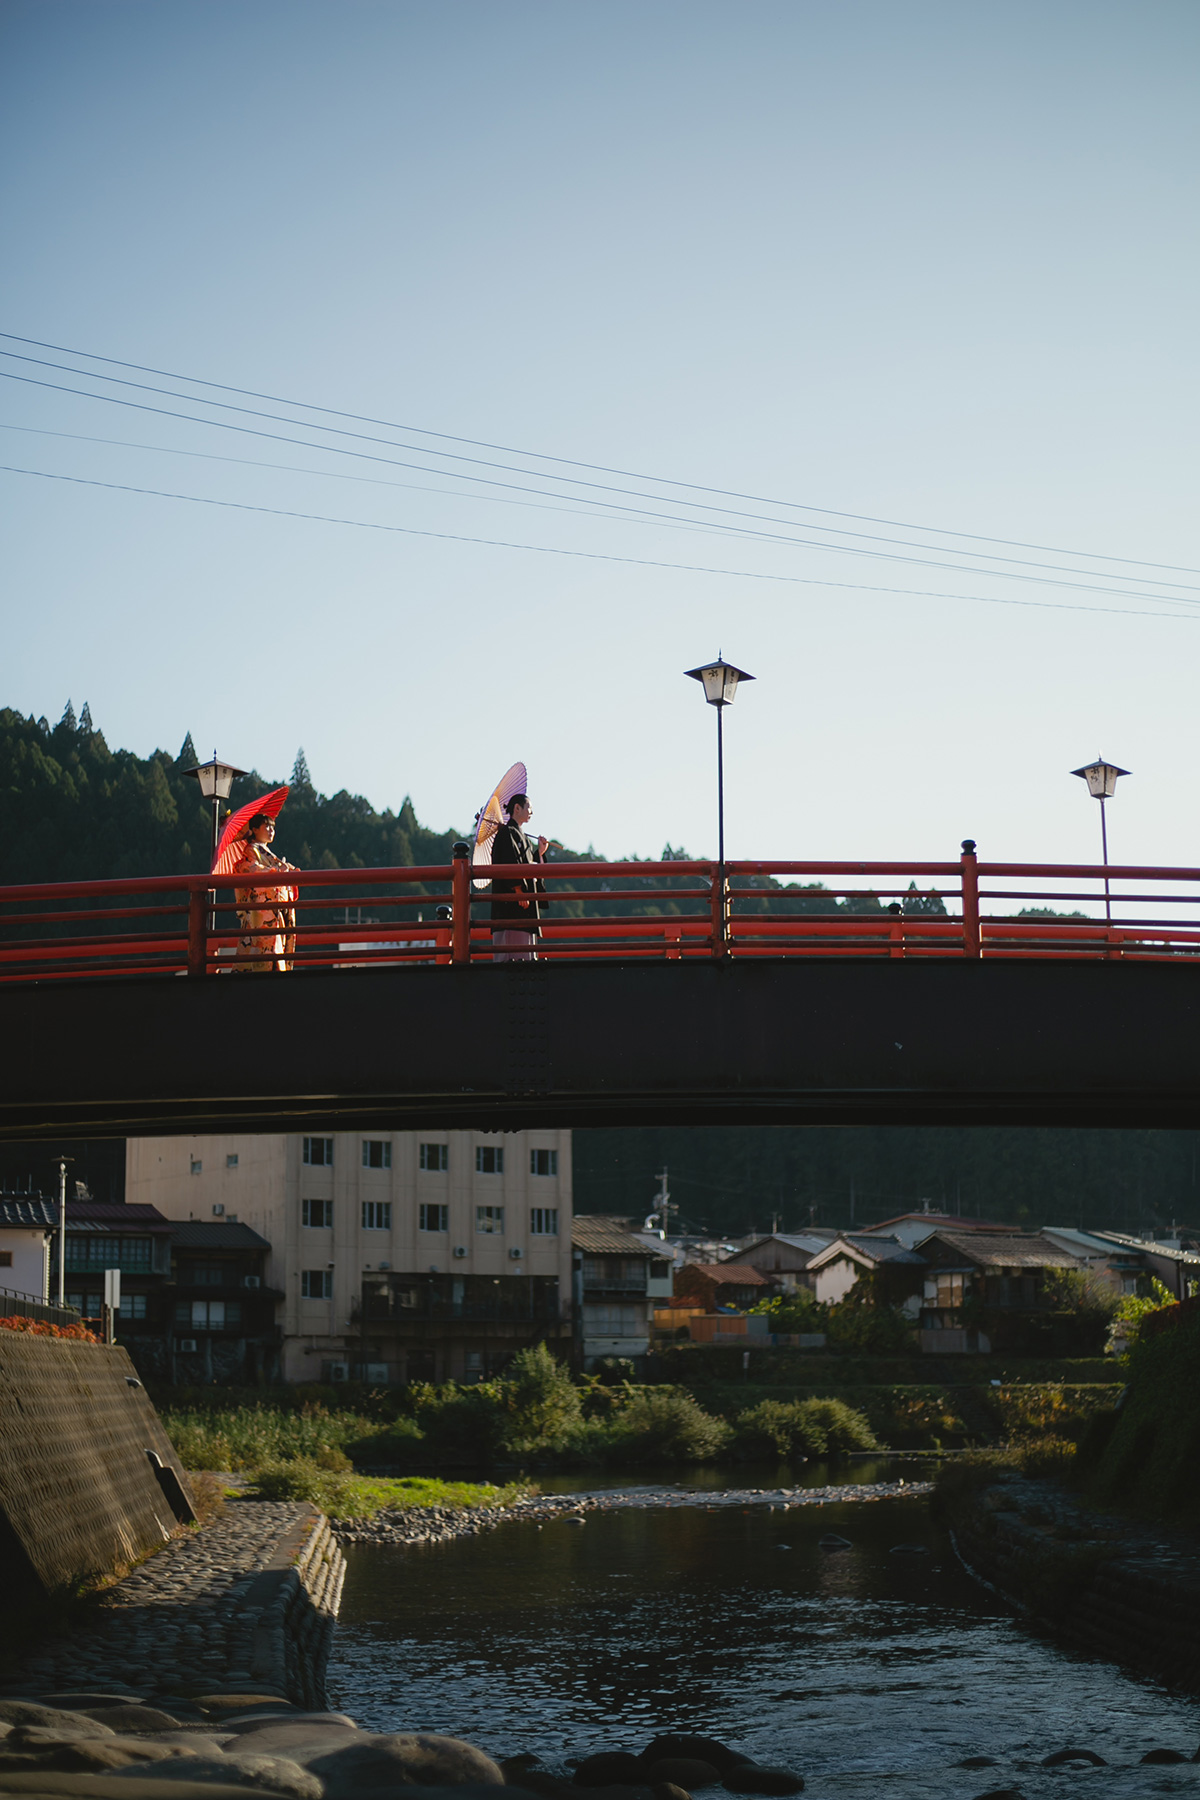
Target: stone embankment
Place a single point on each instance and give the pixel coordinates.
(249, 1600)
(1103, 1585)
(435, 1524)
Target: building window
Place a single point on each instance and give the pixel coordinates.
(316, 1284)
(197, 1166)
(543, 1162)
(6, 1261)
(317, 1214)
(377, 1215)
(435, 1158)
(318, 1152)
(208, 1315)
(614, 1321)
(133, 1306)
(231, 1162)
(204, 1274)
(950, 1290)
(433, 1218)
(218, 1211)
(489, 1218)
(100, 1251)
(543, 1221)
(489, 1159)
(377, 1153)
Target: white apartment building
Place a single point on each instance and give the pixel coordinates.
(401, 1255)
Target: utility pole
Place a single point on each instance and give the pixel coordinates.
(62, 1228)
(662, 1200)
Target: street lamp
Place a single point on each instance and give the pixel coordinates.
(216, 779)
(720, 681)
(1101, 778)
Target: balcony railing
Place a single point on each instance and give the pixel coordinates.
(672, 911)
(15, 1305)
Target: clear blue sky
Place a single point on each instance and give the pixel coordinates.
(934, 263)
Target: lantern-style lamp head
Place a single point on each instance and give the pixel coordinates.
(720, 680)
(216, 778)
(1101, 778)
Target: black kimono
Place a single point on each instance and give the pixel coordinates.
(510, 845)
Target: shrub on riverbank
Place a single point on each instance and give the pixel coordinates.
(1147, 1454)
(814, 1427)
(346, 1496)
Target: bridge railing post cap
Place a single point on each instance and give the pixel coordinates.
(968, 845)
(462, 850)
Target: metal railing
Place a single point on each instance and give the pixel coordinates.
(673, 911)
(15, 1305)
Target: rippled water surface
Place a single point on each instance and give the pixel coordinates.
(873, 1670)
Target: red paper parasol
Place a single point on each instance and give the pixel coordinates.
(230, 849)
(492, 815)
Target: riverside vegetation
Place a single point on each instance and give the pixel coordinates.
(354, 1450)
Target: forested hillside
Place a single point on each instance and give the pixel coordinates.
(71, 808)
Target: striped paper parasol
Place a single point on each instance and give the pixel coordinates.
(230, 848)
(491, 816)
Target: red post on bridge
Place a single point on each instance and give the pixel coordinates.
(460, 905)
(970, 899)
(197, 954)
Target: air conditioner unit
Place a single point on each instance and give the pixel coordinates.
(460, 1250)
(218, 1212)
(254, 1281)
(187, 1346)
(336, 1371)
(516, 1255)
(386, 1265)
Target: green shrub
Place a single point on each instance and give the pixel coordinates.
(799, 1311)
(665, 1425)
(856, 1328)
(813, 1427)
(543, 1409)
(303, 1478)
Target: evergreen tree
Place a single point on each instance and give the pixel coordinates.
(68, 719)
(85, 719)
(187, 758)
(300, 775)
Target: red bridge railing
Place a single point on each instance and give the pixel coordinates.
(368, 918)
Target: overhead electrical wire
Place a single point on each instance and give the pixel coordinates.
(1093, 586)
(643, 562)
(599, 468)
(454, 474)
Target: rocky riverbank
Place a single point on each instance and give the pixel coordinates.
(436, 1524)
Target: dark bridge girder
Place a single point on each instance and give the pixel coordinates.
(786, 1042)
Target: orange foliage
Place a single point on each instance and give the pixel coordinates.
(43, 1328)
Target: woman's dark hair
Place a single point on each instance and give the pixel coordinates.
(258, 819)
(517, 800)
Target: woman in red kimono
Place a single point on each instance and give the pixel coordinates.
(267, 915)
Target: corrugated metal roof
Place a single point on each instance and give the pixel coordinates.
(27, 1210)
(994, 1250)
(216, 1234)
(1148, 1246)
(602, 1234)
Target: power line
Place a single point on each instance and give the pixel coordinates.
(732, 512)
(1090, 587)
(642, 562)
(828, 512)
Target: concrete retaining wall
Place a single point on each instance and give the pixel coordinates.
(89, 1482)
(299, 1593)
(1105, 1588)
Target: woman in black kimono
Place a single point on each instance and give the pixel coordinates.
(515, 901)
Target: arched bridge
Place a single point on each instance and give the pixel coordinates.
(959, 992)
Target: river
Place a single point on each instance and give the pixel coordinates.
(874, 1670)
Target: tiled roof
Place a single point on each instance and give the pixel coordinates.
(106, 1215)
(735, 1274)
(219, 1234)
(809, 1244)
(951, 1222)
(27, 1209)
(874, 1249)
(995, 1250)
(600, 1234)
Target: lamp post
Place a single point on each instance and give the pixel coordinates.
(1101, 778)
(720, 680)
(216, 778)
(62, 1228)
